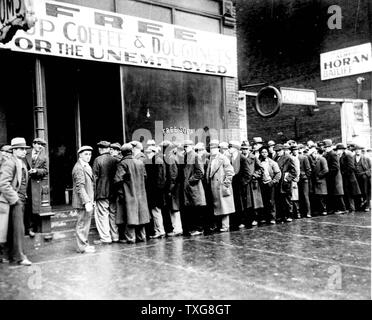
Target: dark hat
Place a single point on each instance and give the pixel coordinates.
(136, 144)
(115, 146)
(84, 148)
(103, 144)
(340, 146)
(278, 147)
(327, 143)
(18, 143)
(40, 141)
(294, 147)
(292, 142)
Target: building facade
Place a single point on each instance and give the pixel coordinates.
(79, 76)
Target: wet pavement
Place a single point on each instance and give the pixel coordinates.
(320, 258)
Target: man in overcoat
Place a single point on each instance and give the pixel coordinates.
(349, 181)
(284, 189)
(363, 175)
(193, 192)
(104, 169)
(132, 208)
(83, 187)
(304, 182)
(319, 181)
(335, 187)
(219, 176)
(36, 161)
(13, 196)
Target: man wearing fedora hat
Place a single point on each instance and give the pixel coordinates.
(104, 169)
(350, 183)
(36, 161)
(13, 195)
(363, 175)
(83, 184)
(335, 187)
(137, 150)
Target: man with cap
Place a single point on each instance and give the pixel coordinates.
(13, 195)
(155, 189)
(137, 151)
(284, 189)
(104, 169)
(224, 148)
(349, 181)
(193, 191)
(219, 176)
(245, 149)
(304, 182)
(363, 174)
(272, 152)
(36, 161)
(132, 209)
(335, 187)
(5, 153)
(239, 184)
(83, 188)
(115, 150)
(256, 145)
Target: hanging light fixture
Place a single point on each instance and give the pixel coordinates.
(148, 113)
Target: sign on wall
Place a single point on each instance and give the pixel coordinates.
(72, 31)
(15, 15)
(298, 96)
(346, 62)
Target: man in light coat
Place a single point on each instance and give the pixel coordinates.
(13, 196)
(219, 179)
(83, 184)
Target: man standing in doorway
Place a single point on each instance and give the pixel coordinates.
(13, 195)
(36, 161)
(83, 198)
(104, 169)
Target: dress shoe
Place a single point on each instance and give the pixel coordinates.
(31, 233)
(224, 229)
(308, 216)
(272, 222)
(174, 234)
(196, 233)
(89, 249)
(288, 219)
(25, 262)
(4, 260)
(254, 223)
(298, 216)
(99, 242)
(324, 213)
(241, 226)
(157, 236)
(367, 209)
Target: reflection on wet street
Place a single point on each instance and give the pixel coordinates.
(320, 258)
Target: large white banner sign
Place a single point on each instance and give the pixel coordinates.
(73, 31)
(346, 62)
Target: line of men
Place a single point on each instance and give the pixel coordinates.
(183, 189)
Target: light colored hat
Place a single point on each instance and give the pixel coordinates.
(84, 148)
(245, 145)
(214, 144)
(223, 145)
(6, 148)
(18, 143)
(286, 146)
(235, 144)
(151, 149)
(115, 145)
(257, 140)
(327, 143)
(103, 144)
(136, 144)
(40, 141)
(271, 143)
(126, 147)
(151, 142)
(188, 143)
(200, 146)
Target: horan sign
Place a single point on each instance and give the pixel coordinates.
(346, 62)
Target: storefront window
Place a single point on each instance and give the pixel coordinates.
(107, 5)
(195, 21)
(182, 100)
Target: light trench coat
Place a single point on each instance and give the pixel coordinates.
(219, 180)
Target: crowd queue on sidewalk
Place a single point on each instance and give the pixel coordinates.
(175, 189)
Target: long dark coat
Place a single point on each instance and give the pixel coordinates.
(104, 169)
(193, 172)
(318, 177)
(173, 182)
(253, 198)
(289, 173)
(155, 181)
(334, 177)
(347, 167)
(132, 201)
(36, 185)
(240, 181)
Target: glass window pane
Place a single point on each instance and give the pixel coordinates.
(186, 19)
(144, 10)
(107, 5)
(210, 6)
